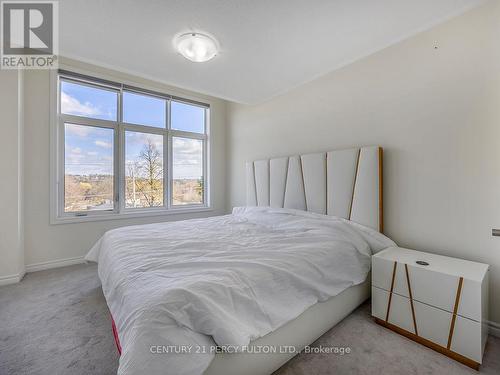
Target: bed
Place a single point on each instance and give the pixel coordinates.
(243, 293)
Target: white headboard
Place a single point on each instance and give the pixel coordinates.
(344, 183)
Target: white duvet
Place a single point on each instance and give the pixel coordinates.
(226, 280)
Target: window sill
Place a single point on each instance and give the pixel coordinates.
(128, 215)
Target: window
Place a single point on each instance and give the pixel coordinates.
(187, 117)
(143, 169)
(145, 110)
(187, 171)
(123, 150)
(87, 101)
(88, 168)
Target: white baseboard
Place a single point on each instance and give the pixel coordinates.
(11, 279)
(54, 264)
(494, 328)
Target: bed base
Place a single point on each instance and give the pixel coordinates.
(300, 332)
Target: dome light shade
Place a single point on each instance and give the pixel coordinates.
(196, 47)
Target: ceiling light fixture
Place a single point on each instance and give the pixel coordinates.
(196, 47)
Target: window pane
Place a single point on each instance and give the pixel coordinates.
(87, 101)
(143, 169)
(88, 168)
(144, 110)
(187, 171)
(187, 117)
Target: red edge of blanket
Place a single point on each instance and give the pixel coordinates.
(115, 335)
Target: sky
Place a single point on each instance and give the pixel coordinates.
(89, 150)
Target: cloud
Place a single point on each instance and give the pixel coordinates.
(188, 156)
(78, 130)
(81, 156)
(79, 162)
(74, 156)
(141, 139)
(73, 106)
(104, 144)
(188, 150)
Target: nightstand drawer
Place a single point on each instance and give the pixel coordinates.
(399, 312)
(430, 323)
(430, 287)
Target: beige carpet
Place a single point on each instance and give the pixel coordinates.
(57, 322)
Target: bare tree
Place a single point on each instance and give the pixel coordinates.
(150, 168)
(130, 181)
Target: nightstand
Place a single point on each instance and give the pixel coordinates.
(438, 301)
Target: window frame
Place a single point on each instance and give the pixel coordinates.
(57, 149)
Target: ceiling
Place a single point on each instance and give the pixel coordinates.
(267, 46)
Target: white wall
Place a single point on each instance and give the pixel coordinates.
(436, 112)
(48, 243)
(11, 172)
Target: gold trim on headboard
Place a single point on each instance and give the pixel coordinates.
(381, 190)
(354, 183)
